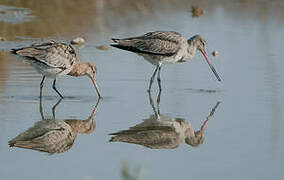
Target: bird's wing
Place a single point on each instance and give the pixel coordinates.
(155, 139)
(165, 43)
(54, 141)
(39, 130)
(53, 54)
(47, 136)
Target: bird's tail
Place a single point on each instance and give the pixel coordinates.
(115, 40)
(14, 51)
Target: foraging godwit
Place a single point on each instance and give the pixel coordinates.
(164, 47)
(53, 135)
(52, 59)
(163, 132)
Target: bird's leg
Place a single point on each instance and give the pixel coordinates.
(41, 86)
(54, 107)
(152, 78)
(53, 86)
(159, 79)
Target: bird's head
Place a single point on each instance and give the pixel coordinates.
(91, 69)
(86, 69)
(200, 43)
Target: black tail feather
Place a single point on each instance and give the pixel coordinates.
(14, 51)
(135, 50)
(115, 40)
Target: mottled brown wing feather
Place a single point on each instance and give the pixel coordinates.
(58, 55)
(159, 43)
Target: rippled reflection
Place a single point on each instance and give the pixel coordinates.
(53, 135)
(163, 132)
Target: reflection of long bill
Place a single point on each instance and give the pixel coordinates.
(211, 66)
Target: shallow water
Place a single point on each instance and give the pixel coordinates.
(243, 139)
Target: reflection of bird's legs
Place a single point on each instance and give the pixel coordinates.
(153, 105)
(209, 117)
(158, 101)
(40, 108)
(54, 107)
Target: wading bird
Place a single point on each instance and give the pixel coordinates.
(52, 59)
(164, 47)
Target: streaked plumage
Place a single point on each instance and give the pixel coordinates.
(54, 135)
(52, 59)
(164, 47)
(162, 132)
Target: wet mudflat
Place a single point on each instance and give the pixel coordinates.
(242, 139)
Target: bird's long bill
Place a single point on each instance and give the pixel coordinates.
(96, 86)
(204, 125)
(211, 66)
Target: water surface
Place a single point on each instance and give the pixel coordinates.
(244, 137)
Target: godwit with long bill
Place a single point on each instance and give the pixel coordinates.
(53, 59)
(164, 47)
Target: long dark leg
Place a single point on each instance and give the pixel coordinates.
(159, 79)
(158, 101)
(41, 86)
(53, 86)
(40, 109)
(54, 107)
(152, 78)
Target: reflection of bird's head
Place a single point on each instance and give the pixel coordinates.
(195, 140)
(82, 126)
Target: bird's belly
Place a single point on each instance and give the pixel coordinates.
(53, 72)
(46, 70)
(157, 60)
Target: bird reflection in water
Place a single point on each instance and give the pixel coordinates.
(53, 135)
(163, 132)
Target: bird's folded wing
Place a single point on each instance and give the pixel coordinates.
(157, 46)
(56, 55)
(158, 43)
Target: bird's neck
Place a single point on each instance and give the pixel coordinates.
(79, 69)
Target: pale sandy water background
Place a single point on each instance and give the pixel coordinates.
(244, 139)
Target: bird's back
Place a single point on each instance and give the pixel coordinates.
(156, 47)
(46, 56)
(156, 43)
(152, 137)
(52, 136)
